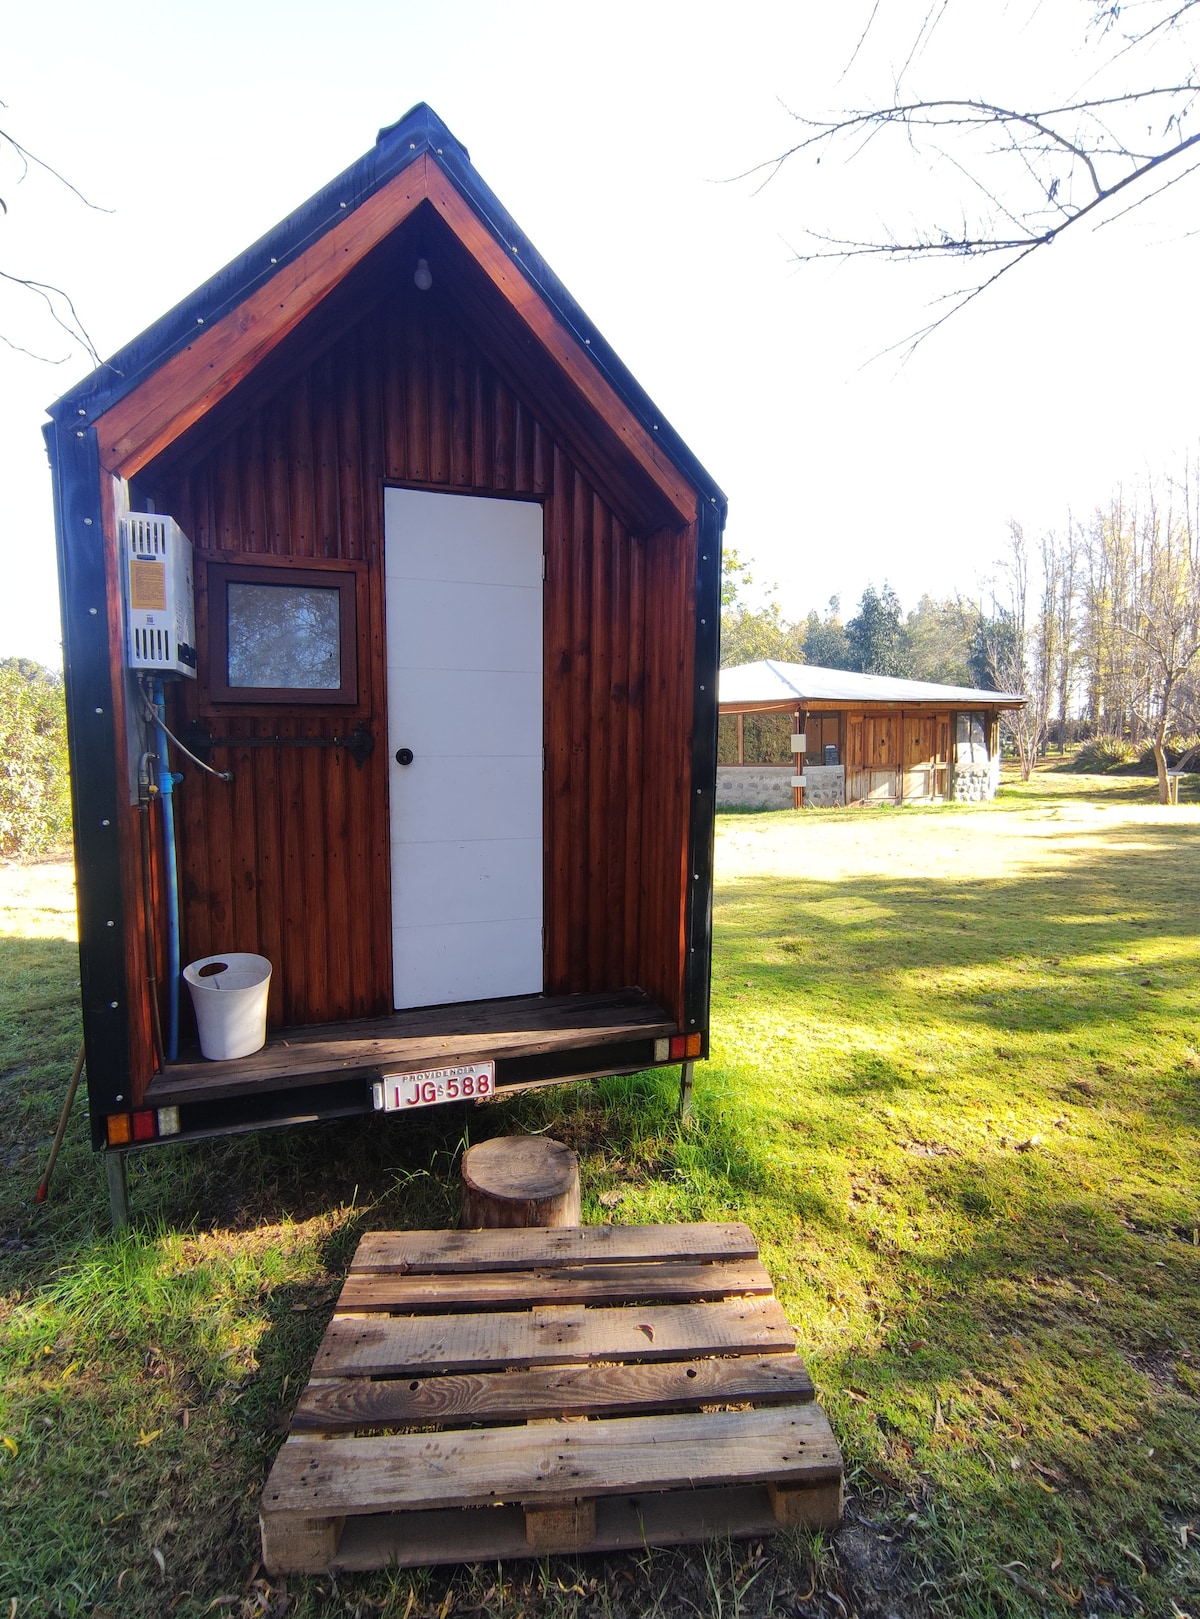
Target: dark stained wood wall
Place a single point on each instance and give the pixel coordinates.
(292, 859)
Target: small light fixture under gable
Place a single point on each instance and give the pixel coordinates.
(423, 276)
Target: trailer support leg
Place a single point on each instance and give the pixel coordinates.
(685, 1091)
(118, 1189)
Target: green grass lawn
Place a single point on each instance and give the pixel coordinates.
(953, 1089)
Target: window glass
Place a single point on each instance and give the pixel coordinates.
(284, 635)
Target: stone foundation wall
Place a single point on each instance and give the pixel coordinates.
(755, 786)
(825, 786)
(974, 784)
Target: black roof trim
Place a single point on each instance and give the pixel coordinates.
(398, 145)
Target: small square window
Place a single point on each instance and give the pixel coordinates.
(282, 635)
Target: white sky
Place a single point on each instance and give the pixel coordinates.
(608, 131)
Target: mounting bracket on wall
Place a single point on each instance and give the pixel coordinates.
(358, 743)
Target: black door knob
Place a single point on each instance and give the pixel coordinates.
(404, 756)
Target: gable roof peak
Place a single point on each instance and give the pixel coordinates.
(421, 130)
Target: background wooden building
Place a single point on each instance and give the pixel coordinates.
(392, 358)
(867, 738)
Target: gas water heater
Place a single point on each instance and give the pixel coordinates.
(160, 609)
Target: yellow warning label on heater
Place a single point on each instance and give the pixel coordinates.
(148, 586)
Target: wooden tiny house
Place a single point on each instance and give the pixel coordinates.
(456, 605)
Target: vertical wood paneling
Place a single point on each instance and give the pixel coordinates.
(293, 860)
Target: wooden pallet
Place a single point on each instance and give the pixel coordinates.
(484, 1394)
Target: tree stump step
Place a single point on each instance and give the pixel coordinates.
(519, 1181)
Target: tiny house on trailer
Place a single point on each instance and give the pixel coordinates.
(390, 610)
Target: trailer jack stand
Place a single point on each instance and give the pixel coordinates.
(118, 1189)
(685, 1091)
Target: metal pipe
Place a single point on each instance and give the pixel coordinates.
(166, 788)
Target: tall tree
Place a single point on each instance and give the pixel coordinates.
(750, 633)
(875, 634)
(825, 640)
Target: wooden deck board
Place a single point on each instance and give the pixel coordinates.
(566, 1284)
(336, 1404)
(611, 1456)
(476, 1031)
(533, 1248)
(363, 1347)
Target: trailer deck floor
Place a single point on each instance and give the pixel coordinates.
(473, 1031)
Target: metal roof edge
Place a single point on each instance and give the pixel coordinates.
(397, 146)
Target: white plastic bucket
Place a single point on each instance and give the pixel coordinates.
(229, 993)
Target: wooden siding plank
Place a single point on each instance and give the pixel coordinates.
(188, 385)
(562, 348)
(361, 1347)
(466, 1468)
(339, 1404)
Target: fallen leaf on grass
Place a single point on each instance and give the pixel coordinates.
(1133, 1557)
(160, 1560)
(609, 1200)
(857, 1394)
(1070, 1597)
(10, 1444)
(1048, 1472)
(939, 1420)
(1042, 1485)
(1057, 1563)
(1186, 1529)
(145, 1438)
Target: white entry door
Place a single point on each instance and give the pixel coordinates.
(464, 665)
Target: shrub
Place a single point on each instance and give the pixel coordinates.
(1177, 748)
(35, 789)
(1104, 753)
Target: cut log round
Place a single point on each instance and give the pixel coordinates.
(519, 1181)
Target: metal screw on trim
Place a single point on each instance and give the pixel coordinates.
(695, 876)
(199, 320)
(341, 204)
(79, 433)
(92, 611)
(99, 711)
(105, 823)
(440, 153)
(87, 522)
(81, 411)
(110, 923)
(119, 1097)
(702, 688)
(114, 1005)
(274, 261)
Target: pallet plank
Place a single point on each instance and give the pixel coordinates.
(623, 1523)
(473, 1467)
(567, 1284)
(340, 1404)
(445, 1252)
(359, 1346)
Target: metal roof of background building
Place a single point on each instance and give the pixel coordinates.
(769, 682)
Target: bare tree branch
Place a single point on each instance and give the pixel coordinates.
(1030, 172)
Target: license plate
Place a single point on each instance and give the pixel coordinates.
(395, 1093)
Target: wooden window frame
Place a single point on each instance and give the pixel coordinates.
(313, 573)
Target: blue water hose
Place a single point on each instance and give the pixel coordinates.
(166, 787)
